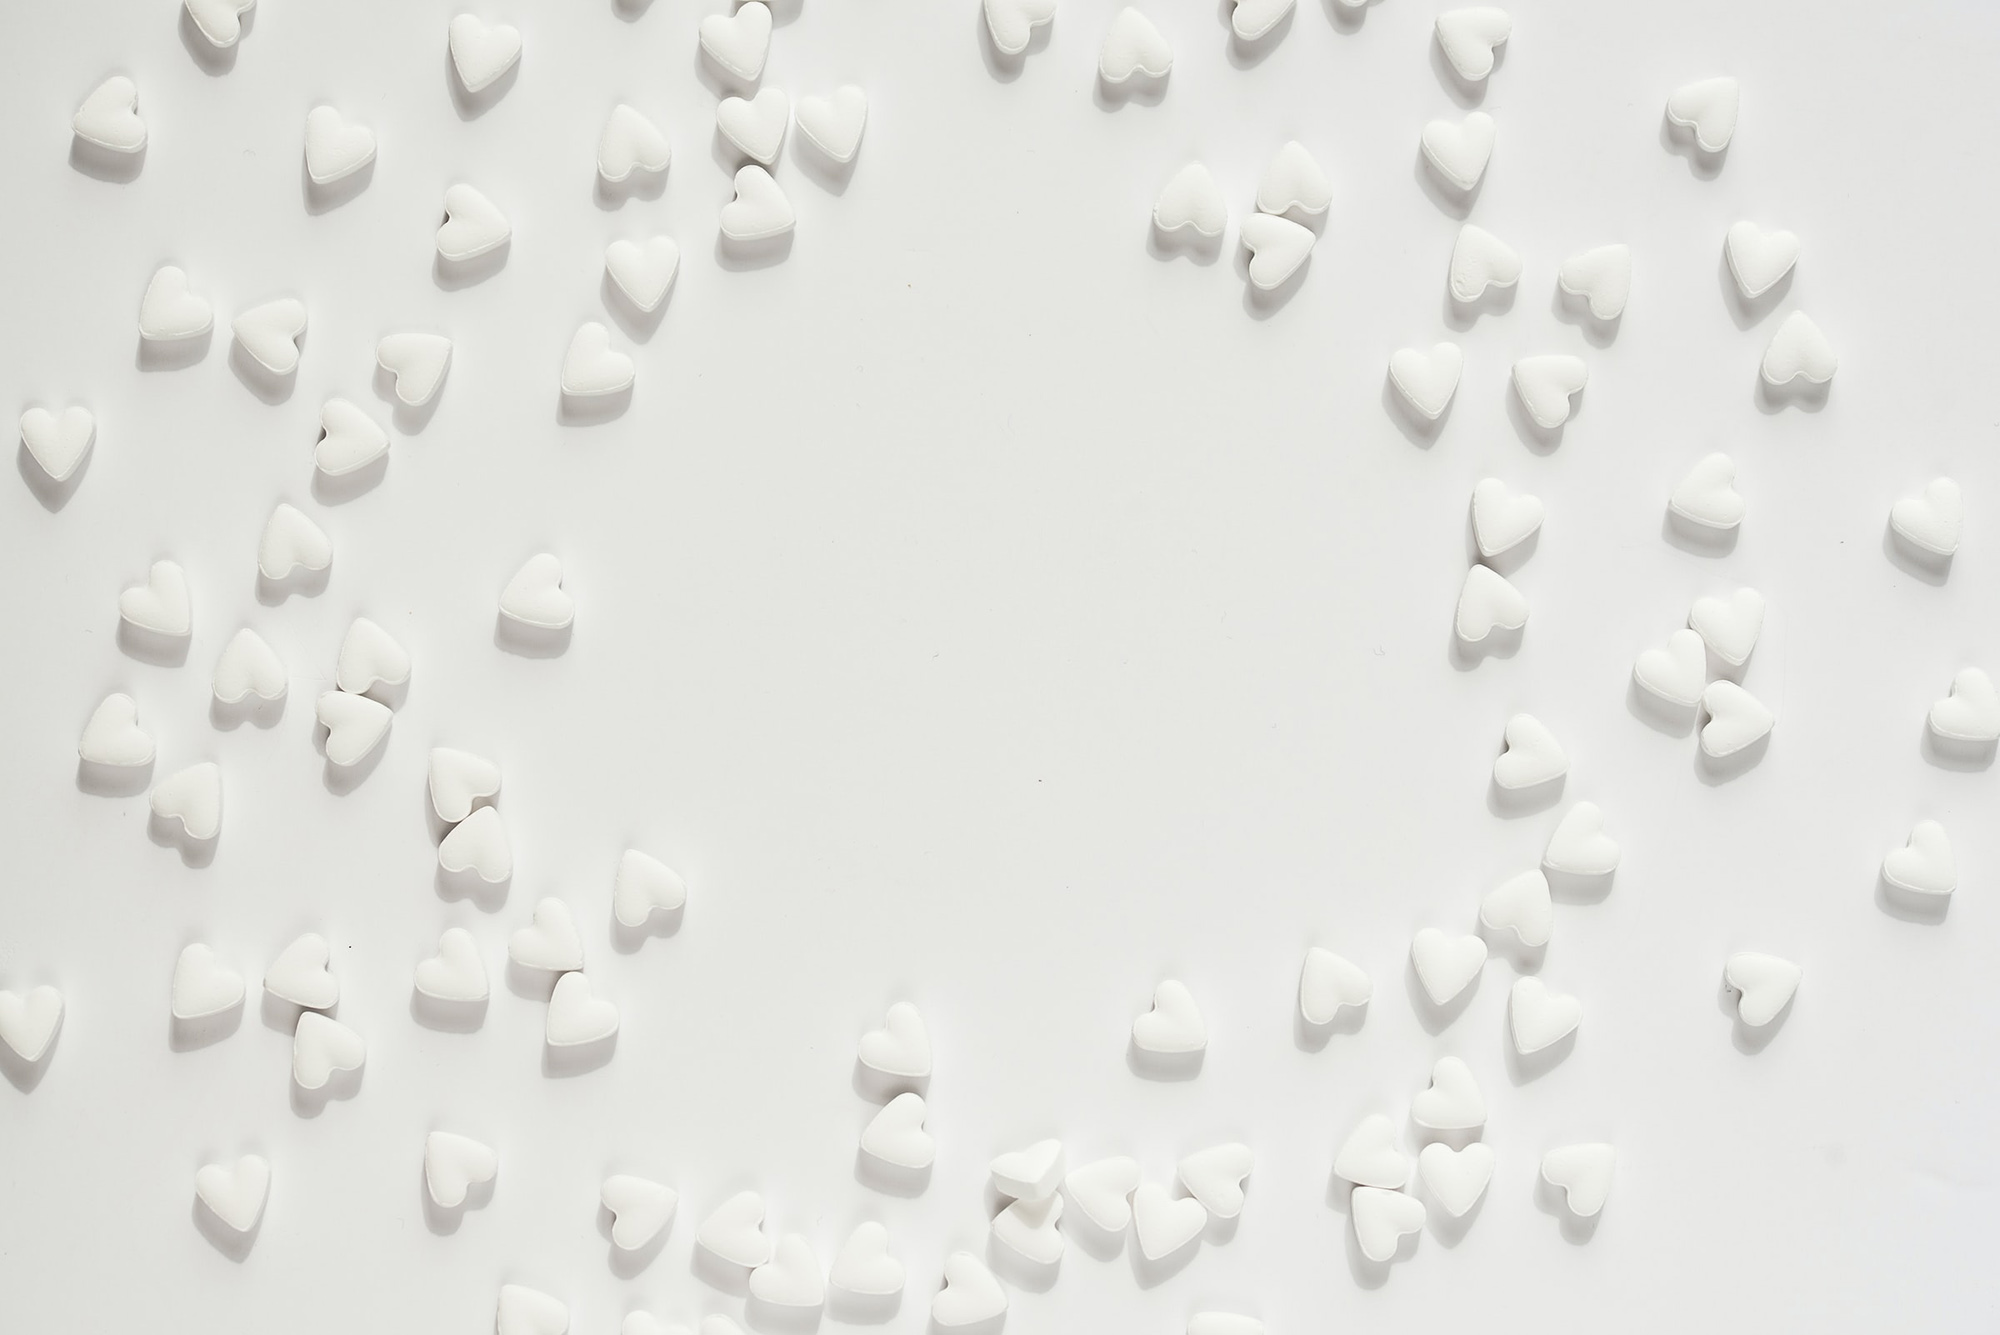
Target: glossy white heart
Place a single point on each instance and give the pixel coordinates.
(1468, 36)
(1503, 519)
(759, 210)
(1729, 626)
(738, 43)
(1538, 1017)
(109, 117)
(1736, 719)
(577, 1015)
(1933, 520)
(113, 735)
(300, 974)
(1601, 277)
(170, 310)
(1214, 1177)
(1132, 45)
(1533, 756)
(355, 725)
(536, 597)
(458, 780)
(1545, 384)
(1707, 495)
(161, 604)
(58, 442)
(1924, 866)
(644, 886)
(335, 150)
(1427, 380)
(1456, 1179)
(349, 439)
(1446, 965)
(203, 985)
(1764, 984)
(1459, 152)
(1369, 1157)
(643, 270)
(1579, 846)
(1708, 108)
(472, 225)
(1102, 1190)
(368, 658)
(28, 1023)
(417, 360)
(1192, 199)
(290, 542)
(1480, 260)
(757, 124)
(1675, 672)
(1382, 1219)
(1277, 246)
(1521, 905)
(235, 1193)
(1798, 351)
(1757, 258)
(248, 666)
(592, 367)
(454, 1164)
(901, 1047)
(1164, 1223)
(455, 973)
(482, 52)
(1328, 982)
(1012, 22)
(1029, 1174)
(1028, 1228)
(734, 1231)
(1174, 1024)
(792, 1277)
(193, 797)
(270, 333)
(322, 1045)
(1487, 602)
(526, 1311)
(970, 1294)
(478, 844)
(1250, 20)
(631, 143)
(1582, 1173)
(550, 941)
(1971, 713)
(641, 1210)
(896, 1134)
(863, 1264)
(833, 125)
(1453, 1101)
(1292, 179)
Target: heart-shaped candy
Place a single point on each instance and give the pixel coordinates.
(1764, 985)
(791, 1278)
(1369, 1157)
(734, 1231)
(1931, 521)
(535, 596)
(1729, 626)
(193, 797)
(58, 441)
(1277, 246)
(370, 658)
(300, 975)
(644, 886)
(472, 225)
(1028, 1228)
(1382, 1219)
(290, 542)
(355, 725)
(643, 270)
(1453, 1101)
(1328, 982)
(1250, 20)
(455, 973)
(1468, 36)
(1707, 495)
(970, 1294)
(270, 334)
(322, 1045)
(109, 117)
(1533, 756)
(1736, 719)
(1445, 965)
(550, 941)
(577, 1015)
(1675, 672)
(482, 52)
(1480, 260)
(1601, 277)
(1757, 258)
(863, 1266)
(1214, 1177)
(418, 362)
(1971, 713)
(738, 43)
(1487, 602)
(454, 1164)
(1132, 45)
(204, 985)
(756, 125)
(1924, 866)
(1164, 1223)
(1521, 905)
(1029, 1174)
(526, 1311)
(170, 310)
(349, 439)
(1579, 846)
(1538, 1018)
(478, 844)
(113, 736)
(248, 666)
(1173, 1025)
(641, 1210)
(160, 605)
(1012, 22)
(28, 1023)
(335, 150)
(833, 124)
(1582, 1173)
(1545, 384)
(759, 210)
(1102, 1191)
(1427, 380)
(1459, 152)
(1798, 351)
(1708, 108)
(631, 143)
(458, 780)
(1455, 1179)
(896, 1134)
(1503, 519)
(235, 1193)
(1292, 180)
(592, 367)
(1191, 199)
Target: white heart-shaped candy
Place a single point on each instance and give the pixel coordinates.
(1583, 1173)
(1707, 495)
(370, 658)
(1579, 845)
(454, 1164)
(1925, 866)
(526, 1311)
(863, 1266)
(734, 1232)
(1292, 179)
(756, 125)
(739, 42)
(550, 942)
(1468, 36)
(970, 1294)
(644, 886)
(833, 124)
(1971, 713)
(760, 210)
(901, 1047)
(1174, 1024)
(482, 52)
(170, 310)
(1250, 20)
(1708, 108)
(1729, 626)
(896, 1134)
(1029, 1174)
(1931, 521)
(644, 270)
(1503, 519)
(458, 780)
(1328, 982)
(1277, 246)
(28, 1023)
(355, 725)
(1369, 1157)
(235, 1193)
(58, 442)
(1757, 258)
(1764, 984)
(1602, 277)
(1675, 672)
(641, 1210)
(335, 149)
(1132, 45)
(1487, 602)
(1191, 198)
(1798, 351)
(1446, 965)
(160, 604)
(1453, 1101)
(349, 439)
(203, 984)
(193, 797)
(1214, 1177)
(791, 1278)
(455, 973)
(1533, 755)
(322, 1045)
(577, 1014)
(248, 666)
(1012, 22)
(417, 360)
(300, 974)
(478, 844)
(1538, 1017)
(1164, 1223)
(113, 736)
(472, 225)
(1102, 1190)
(1736, 719)
(1456, 1179)
(535, 596)
(109, 117)
(1028, 1227)
(632, 143)
(270, 333)
(592, 367)
(290, 542)
(1521, 905)
(1427, 380)
(1382, 1219)
(1459, 152)
(1480, 260)
(1545, 383)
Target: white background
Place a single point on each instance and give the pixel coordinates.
(979, 608)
